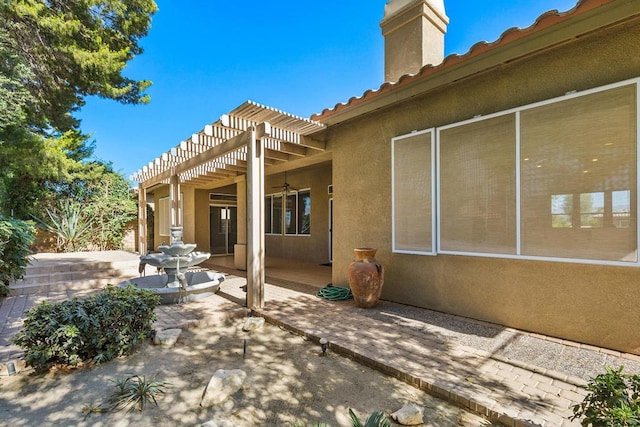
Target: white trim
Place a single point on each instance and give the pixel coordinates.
(330, 229)
(518, 189)
(541, 258)
(433, 193)
(438, 192)
(434, 204)
(637, 169)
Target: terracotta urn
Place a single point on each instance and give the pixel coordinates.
(366, 276)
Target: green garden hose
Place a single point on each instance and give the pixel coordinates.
(334, 293)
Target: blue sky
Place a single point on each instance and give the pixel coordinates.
(207, 57)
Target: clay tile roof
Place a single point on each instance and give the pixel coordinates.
(546, 20)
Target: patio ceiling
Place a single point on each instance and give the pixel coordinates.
(217, 153)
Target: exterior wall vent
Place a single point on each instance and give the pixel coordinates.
(330, 189)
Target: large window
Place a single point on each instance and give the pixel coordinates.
(294, 219)
(580, 154)
(478, 186)
(412, 191)
(552, 180)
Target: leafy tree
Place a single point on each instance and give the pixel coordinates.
(112, 208)
(53, 54)
(63, 50)
(93, 211)
(34, 168)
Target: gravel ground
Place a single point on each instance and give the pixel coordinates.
(288, 382)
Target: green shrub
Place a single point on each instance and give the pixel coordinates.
(613, 400)
(15, 238)
(98, 328)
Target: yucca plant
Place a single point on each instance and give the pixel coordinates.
(91, 408)
(69, 223)
(377, 419)
(135, 392)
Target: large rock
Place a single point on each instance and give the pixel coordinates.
(253, 323)
(222, 385)
(409, 415)
(167, 337)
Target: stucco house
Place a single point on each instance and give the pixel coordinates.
(500, 185)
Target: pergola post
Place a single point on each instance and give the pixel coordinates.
(174, 200)
(240, 248)
(142, 220)
(255, 216)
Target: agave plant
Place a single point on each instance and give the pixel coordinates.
(377, 419)
(69, 223)
(135, 392)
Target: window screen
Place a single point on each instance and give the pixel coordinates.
(578, 177)
(477, 186)
(413, 193)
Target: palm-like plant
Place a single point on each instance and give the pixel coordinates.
(135, 392)
(69, 223)
(377, 419)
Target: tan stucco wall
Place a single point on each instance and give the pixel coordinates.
(201, 220)
(586, 303)
(188, 219)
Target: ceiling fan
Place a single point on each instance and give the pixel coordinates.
(285, 186)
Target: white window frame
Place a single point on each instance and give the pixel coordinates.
(436, 182)
(517, 184)
(394, 249)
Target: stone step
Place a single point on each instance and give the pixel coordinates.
(64, 267)
(55, 277)
(76, 285)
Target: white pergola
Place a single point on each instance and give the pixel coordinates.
(235, 149)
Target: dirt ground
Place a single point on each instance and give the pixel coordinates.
(288, 383)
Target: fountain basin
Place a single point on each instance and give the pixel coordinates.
(201, 284)
(173, 258)
(177, 249)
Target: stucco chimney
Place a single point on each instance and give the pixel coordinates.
(413, 33)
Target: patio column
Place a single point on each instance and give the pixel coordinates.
(174, 200)
(142, 220)
(240, 248)
(255, 216)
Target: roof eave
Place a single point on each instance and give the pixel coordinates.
(550, 30)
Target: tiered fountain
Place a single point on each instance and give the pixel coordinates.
(178, 284)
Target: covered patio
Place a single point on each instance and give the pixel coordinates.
(238, 150)
(279, 271)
